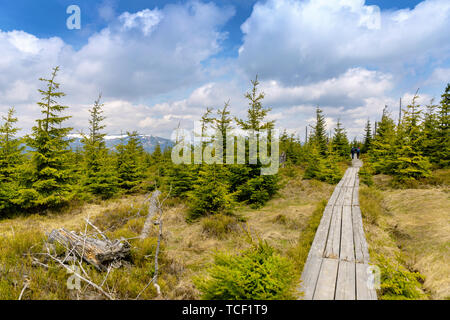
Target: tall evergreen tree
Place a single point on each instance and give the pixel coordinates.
(340, 141)
(409, 162)
(383, 146)
(11, 158)
(247, 180)
(319, 133)
(222, 125)
(10, 147)
(443, 132)
(256, 113)
(129, 162)
(430, 129)
(49, 182)
(367, 137)
(100, 174)
(157, 154)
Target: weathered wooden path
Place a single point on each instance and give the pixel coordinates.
(337, 266)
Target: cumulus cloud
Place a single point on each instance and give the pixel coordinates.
(348, 89)
(137, 57)
(302, 41)
(159, 67)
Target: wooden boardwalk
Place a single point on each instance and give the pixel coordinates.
(337, 266)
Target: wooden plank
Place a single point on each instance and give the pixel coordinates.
(357, 178)
(351, 181)
(361, 249)
(346, 281)
(347, 176)
(347, 251)
(334, 196)
(340, 199)
(341, 182)
(355, 198)
(318, 246)
(334, 235)
(348, 196)
(326, 283)
(309, 278)
(364, 288)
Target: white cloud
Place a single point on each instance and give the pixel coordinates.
(340, 55)
(300, 41)
(136, 58)
(145, 20)
(348, 89)
(439, 76)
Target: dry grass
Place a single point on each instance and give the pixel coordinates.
(412, 226)
(420, 223)
(189, 247)
(193, 249)
(72, 218)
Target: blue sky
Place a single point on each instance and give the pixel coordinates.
(162, 62)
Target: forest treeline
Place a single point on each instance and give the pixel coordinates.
(40, 171)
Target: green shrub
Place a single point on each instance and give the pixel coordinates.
(366, 174)
(257, 191)
(397, 283)
(210, 194)
(255, 274)
(331, 172)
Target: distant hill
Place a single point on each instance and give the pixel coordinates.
(149, 142)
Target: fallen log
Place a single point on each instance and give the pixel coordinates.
(99, 253)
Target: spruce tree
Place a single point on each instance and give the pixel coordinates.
(246, 180)
(383, 145)
(156, 156)
(340, 143)
(443, 130)
(129, 164)
(319, 133)
(256, 113)
(430, 139)
(222, 125)
(408, 162)
(210, 193)
(315, 165)
(49, 182)
(367, 137)
(331, 172)
(100, 174)
(11, 157)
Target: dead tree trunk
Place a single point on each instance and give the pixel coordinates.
(99, 253)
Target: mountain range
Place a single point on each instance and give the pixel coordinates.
(149, 142)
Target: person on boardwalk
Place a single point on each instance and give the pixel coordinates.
(358, 151)
(353, 152)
